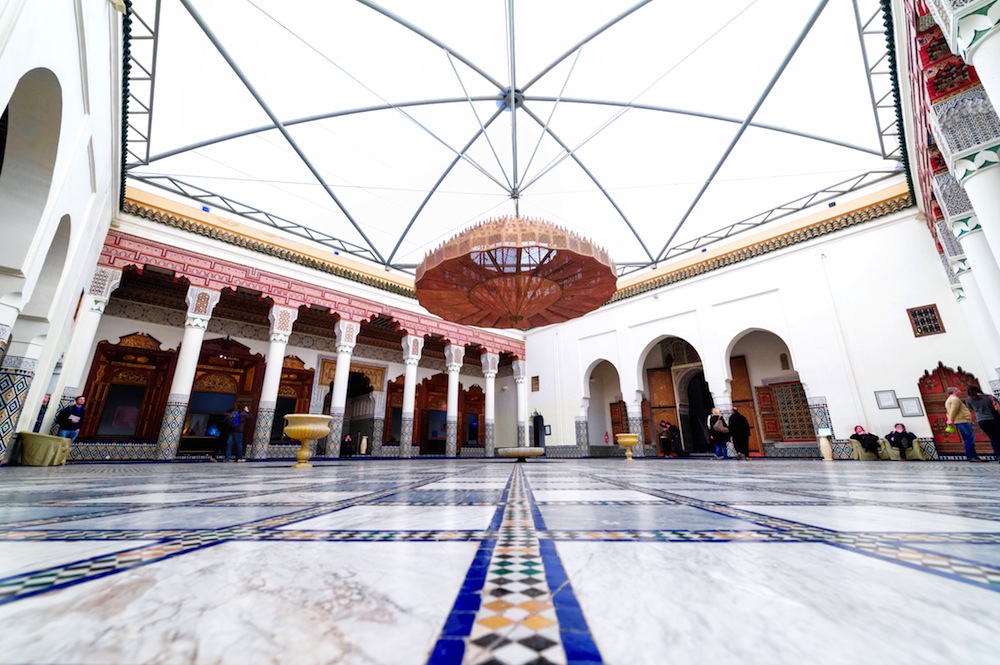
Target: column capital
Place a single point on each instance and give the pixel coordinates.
(960, 266)
(491, 364)
(454, 354)
(201, 302)
(413, 346)
(282, 318)
(347, 335)
(966, 24)
(519, 380)
(103, 282)
(520, 369)
(964, 227)
(967, 131)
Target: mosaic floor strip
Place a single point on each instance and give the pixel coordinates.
(495, 562)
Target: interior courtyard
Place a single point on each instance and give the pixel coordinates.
(399, 332)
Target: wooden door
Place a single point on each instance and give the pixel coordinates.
(742, 395)
(932, 386)
(619, 419)
(662, 400)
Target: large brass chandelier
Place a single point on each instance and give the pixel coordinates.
(515, 272)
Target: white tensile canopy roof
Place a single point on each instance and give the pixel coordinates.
(381, 130)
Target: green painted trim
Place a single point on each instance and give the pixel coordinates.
(965, 50)
(126, 72)
(976, 162)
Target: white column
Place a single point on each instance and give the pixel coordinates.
(454, 356)
(971, 306)
(200, 303)
(412, 348)
(491, 363)
(967, 131)
(983, 261)
(347, 338)
(983, 190)
(977, 318)
(78, 354)
(634, 409)
(986, 58)
(521, 384)
(281, 319)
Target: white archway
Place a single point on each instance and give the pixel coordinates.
(601, 389)
(34, 118)
(764, 385)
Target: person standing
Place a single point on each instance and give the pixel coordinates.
(664, 437)
(984, 408)
(739, 428)
(718, 434)
(41, 412)
(900, 438)
(959, 415)
(234, 436)
(247, 424)
(69, 419)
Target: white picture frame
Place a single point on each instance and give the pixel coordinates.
(886, 399)
(911, 407)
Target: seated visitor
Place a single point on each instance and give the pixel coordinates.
(867, 440)
(901, 439)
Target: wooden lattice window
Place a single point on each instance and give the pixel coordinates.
(534, 384)
(925, 320)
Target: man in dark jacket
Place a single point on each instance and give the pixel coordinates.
(234, 436)
(739, 428)
(70, 418)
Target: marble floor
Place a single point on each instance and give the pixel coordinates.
(475, 561)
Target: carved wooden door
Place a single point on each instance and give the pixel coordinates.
(742, 394)
(662, 400)
(932, 387)
(619, 419)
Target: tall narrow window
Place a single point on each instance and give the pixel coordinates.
(783, 359)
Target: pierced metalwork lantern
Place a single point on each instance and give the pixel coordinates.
(515, 272)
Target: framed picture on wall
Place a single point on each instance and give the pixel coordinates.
(911, 406)
(886, 399)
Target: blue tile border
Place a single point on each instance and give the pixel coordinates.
(573, 629)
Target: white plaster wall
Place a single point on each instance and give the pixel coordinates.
(839, 303)
(79, 42)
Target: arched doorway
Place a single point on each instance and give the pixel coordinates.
(605, 410)
(677, 391)
(765, 387)
(694, 407)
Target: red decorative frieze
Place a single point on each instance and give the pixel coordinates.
(122, 250)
